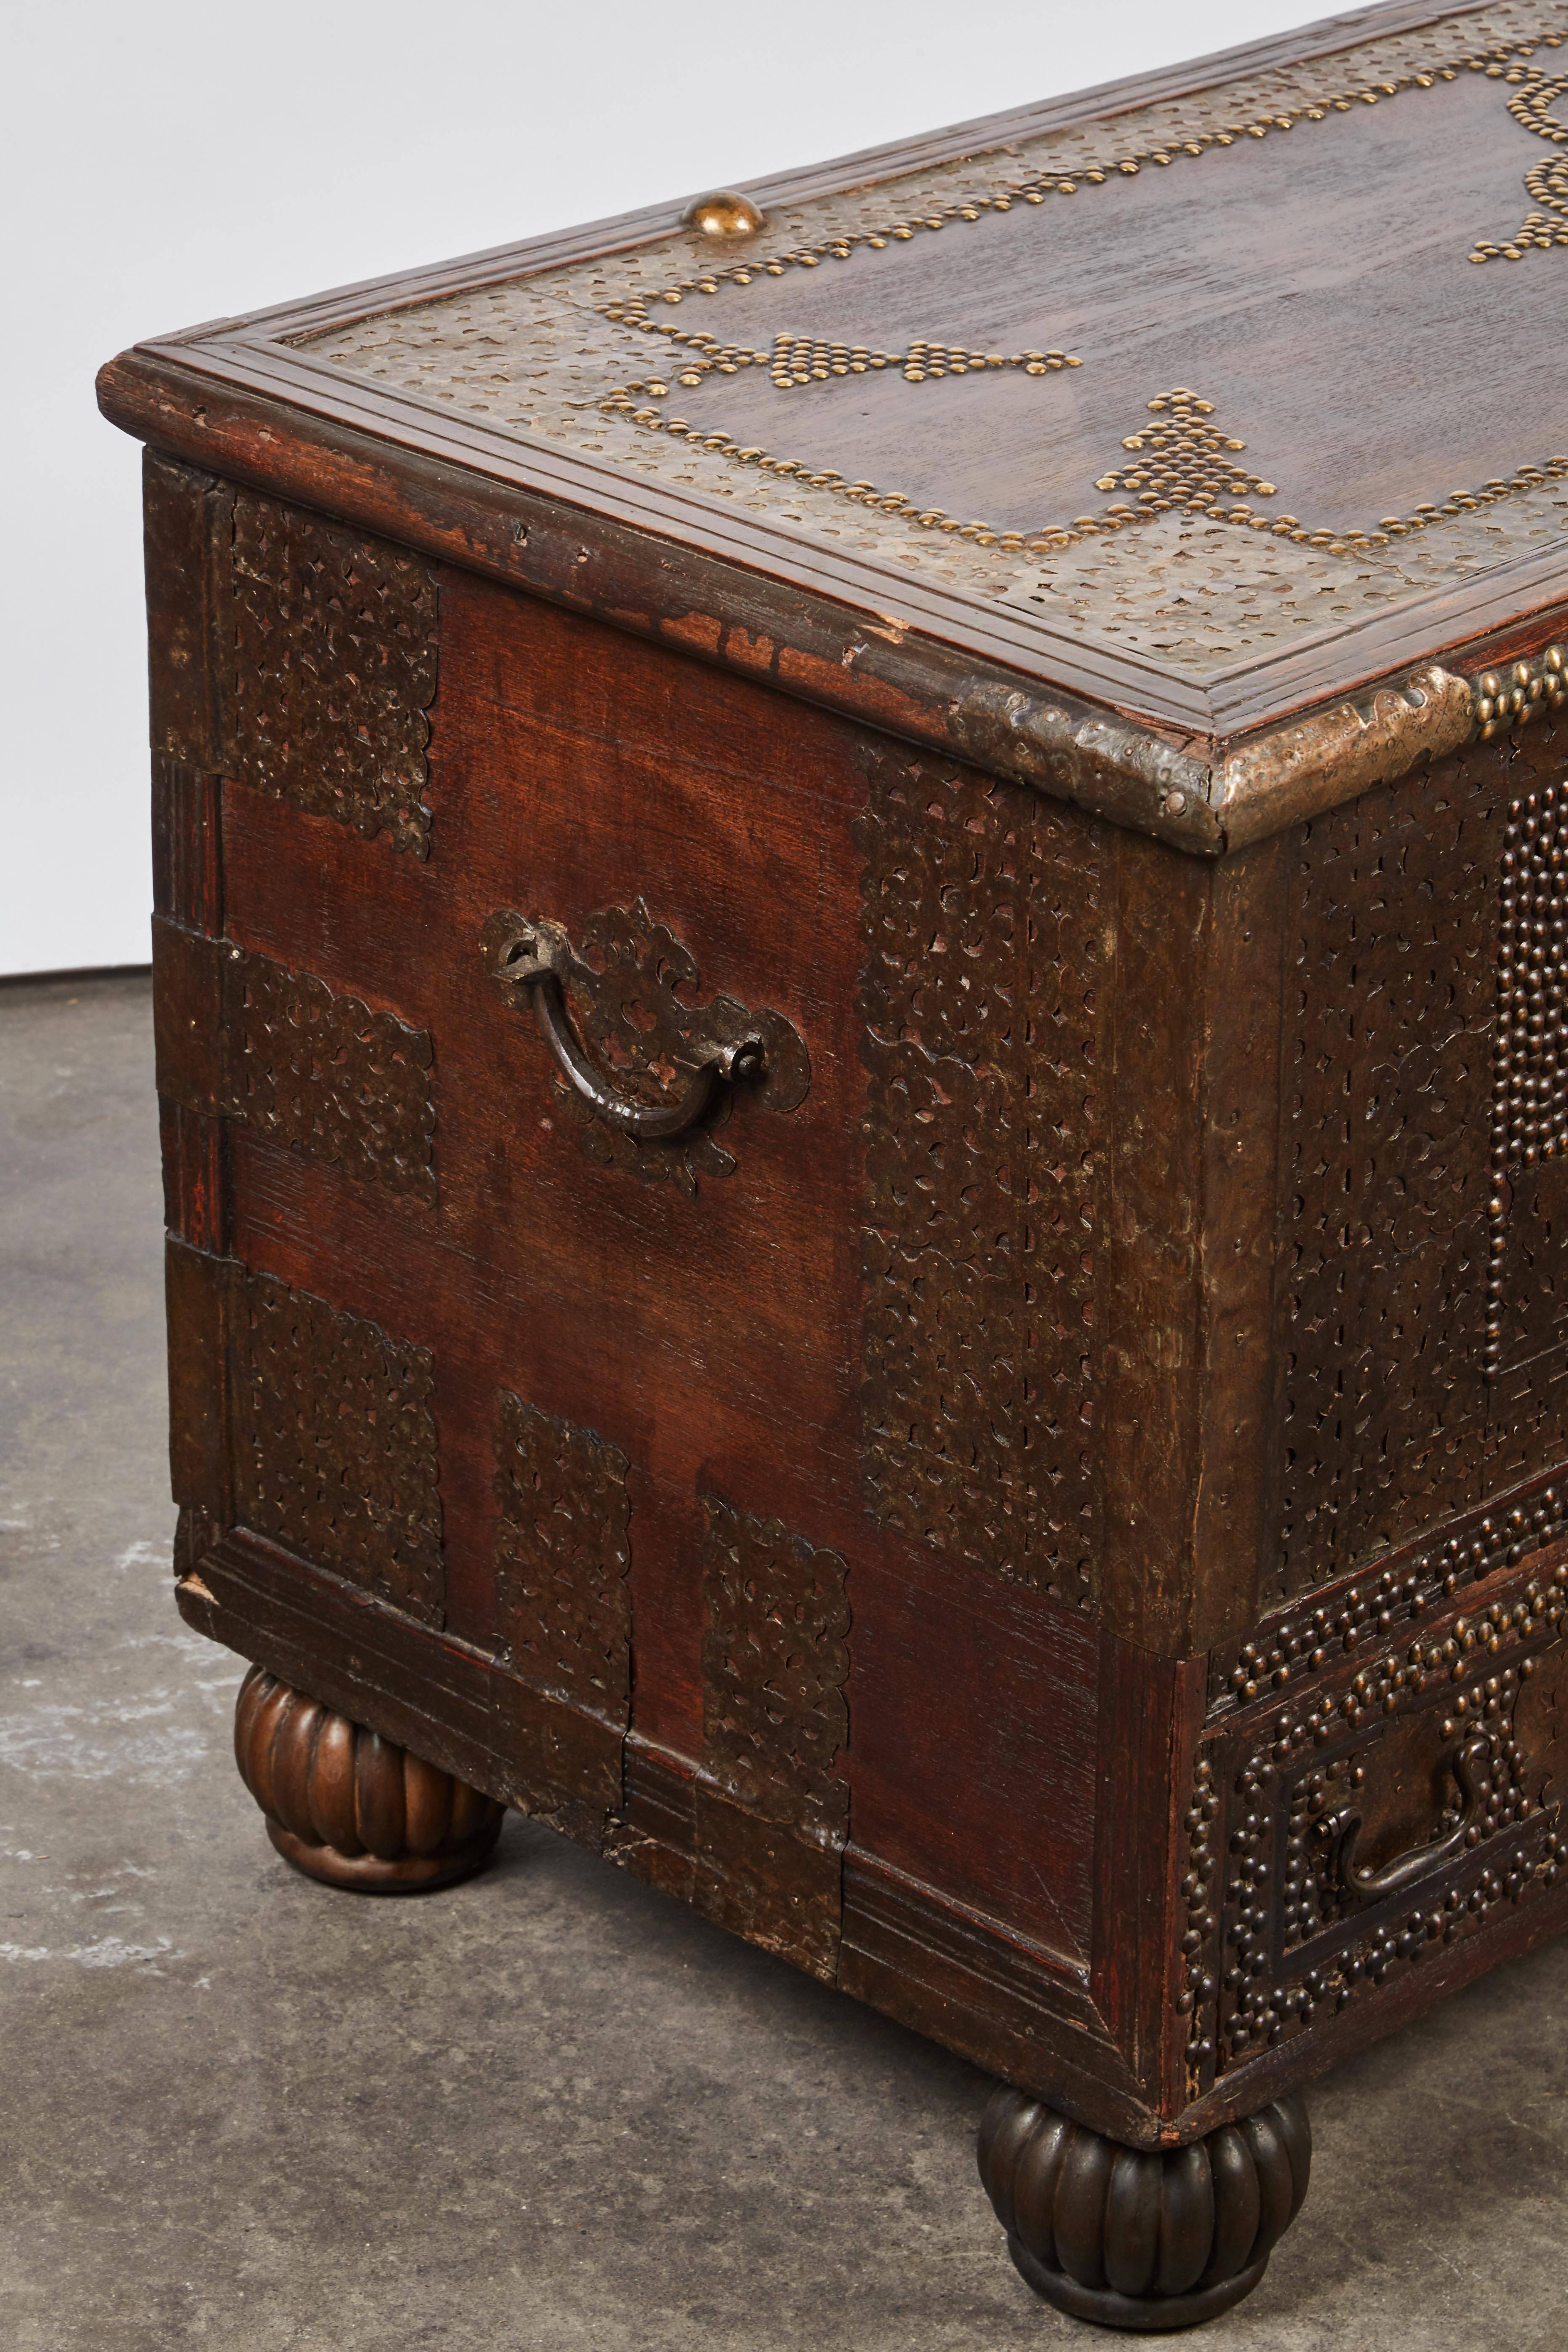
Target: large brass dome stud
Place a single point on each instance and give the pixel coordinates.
(724, 213)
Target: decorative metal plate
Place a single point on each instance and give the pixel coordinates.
(335, 1454)
(1422, 1333)
(334, 670)
(323, 1073)
(562, 1604)
(645, 1070)
(775, 1661)
(982, 921)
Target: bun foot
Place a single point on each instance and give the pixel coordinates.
(346, 1806)
(1142, 2239)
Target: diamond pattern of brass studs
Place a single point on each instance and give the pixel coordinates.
(1182, 463)
(798, 360)
(1183, 460)
(1535, 95)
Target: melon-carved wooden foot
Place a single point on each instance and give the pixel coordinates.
(349, 1807)
(1142, 2239)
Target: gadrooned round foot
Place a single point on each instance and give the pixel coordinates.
(1142, 2239)
(349, 1807)
(1150, 2315)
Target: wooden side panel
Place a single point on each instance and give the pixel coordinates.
(712, 1337)
(198, 1291)
(570, 771)
(950, 1973)
(1151, 1296)
(1150, 1711)
(187, 522)
(187, 845)
(1238, 1136)
(195, 1178)
(188, 1018)
(1419, 1335)
(972, 1757)
(188, 525)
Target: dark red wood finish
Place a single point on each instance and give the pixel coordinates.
(1058, 1525)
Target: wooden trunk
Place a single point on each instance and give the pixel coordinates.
(873, 1207)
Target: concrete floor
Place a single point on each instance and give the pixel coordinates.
(548, 2111)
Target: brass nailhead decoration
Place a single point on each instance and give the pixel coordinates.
(1529, 1060)
(1535, 95)
(1256, 1994)
(1548, 183)
(1182, 463)
(1529, 686)
(1185, 467)
(1307, 1640)
(724, 213)
(797, 361)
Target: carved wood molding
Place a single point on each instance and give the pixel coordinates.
(906, 1951)
(1229, 789)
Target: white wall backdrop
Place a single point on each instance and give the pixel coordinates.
(185, 159)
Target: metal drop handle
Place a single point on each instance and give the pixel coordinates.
(537, 956)
(1465, 1760)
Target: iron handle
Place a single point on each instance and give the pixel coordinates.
(1464, 1760)
(535, 955)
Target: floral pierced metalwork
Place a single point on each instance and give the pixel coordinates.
(336, 1444)
(983, 916)
(775, 1662)
(323, 1074)
(336, 667)
(562, 1558)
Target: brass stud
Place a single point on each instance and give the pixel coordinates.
(1187, 472)
(724, 213)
